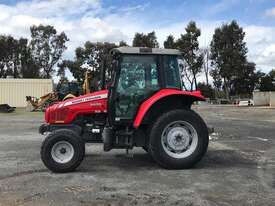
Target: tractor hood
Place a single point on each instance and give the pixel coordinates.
(65, 112)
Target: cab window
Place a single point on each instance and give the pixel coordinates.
(138, 80)
(171, 72)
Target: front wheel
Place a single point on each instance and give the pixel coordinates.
(62, 151)
(178, 139)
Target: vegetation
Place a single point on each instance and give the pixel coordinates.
(16, 59)
(47, 48)
(188, 44)
(32, 59)
(86, 58)
(169, 43)
(265, 82)
(206, 90)
(223, 64)
(146, 40)
(228, 55)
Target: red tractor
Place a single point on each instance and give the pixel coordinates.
(144, 106)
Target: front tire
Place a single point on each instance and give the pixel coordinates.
(178, 139)
(62, 151)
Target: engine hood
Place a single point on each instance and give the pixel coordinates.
(65, 112)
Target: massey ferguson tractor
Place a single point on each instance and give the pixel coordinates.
(144, 105)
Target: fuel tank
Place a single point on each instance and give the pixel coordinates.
(65, 112)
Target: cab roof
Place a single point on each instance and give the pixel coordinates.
(145, 50)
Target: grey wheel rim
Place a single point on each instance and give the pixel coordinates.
(62, 152)
(179, 139)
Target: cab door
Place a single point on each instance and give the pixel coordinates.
(137, 80)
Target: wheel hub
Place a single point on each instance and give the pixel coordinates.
(179, 139)
(62, 152)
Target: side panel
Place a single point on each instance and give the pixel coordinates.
(146, 105)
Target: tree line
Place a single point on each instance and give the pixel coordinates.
(34, 58)
(224, 61)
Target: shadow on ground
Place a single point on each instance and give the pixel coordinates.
(213, 159)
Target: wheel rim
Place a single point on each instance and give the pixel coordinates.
(179, 139)
(62, 152)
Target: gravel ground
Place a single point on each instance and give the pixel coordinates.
(238, 168)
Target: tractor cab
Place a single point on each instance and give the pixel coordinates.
(144, 106)
(139, 73)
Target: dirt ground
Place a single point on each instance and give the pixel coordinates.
(238, 169)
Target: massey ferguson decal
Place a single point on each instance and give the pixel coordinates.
(86, 99)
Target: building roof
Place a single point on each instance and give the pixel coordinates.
(145, 50)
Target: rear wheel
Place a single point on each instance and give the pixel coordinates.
(178, 139)
(62, 151)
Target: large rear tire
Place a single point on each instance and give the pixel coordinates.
(178, 139)
(62, 151)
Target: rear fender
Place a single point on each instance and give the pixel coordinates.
(176, 99)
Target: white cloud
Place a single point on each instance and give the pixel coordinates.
(270, 12)
(261, 44)
(56, 8)
(140, 7)
(222, 6)
(78, 18)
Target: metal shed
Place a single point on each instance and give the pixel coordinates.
(264, 98)
(14, 91)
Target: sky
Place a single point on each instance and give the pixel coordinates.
(116, 20)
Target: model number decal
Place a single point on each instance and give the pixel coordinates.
(96, 104)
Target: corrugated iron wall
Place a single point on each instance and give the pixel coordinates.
(14, 91)
(264, 98)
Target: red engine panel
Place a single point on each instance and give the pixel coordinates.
(65, 112)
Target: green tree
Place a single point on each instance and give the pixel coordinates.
(188, 44)
(272, 74)
(29, 69)
(245, 82)
(206, 63)
(4, 50)
(228, 55)
(217, 79)
(13, 64)
(47, 47)
(122, 43)
(206, 90)
(169, 43)
(266, 82)
(89, 57)
(9, 57)
(16, 59)
(146, 40)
